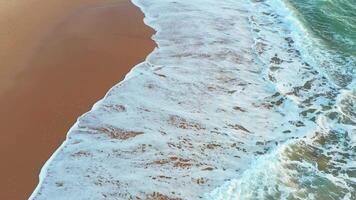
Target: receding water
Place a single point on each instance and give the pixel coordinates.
(249, 100)
(308, 49)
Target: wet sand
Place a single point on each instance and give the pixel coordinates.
(53, 68)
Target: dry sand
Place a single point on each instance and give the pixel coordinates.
(57, 58)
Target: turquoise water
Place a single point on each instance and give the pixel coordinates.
(308, 53)
(322, 165)
(334, 23)
(332, 20)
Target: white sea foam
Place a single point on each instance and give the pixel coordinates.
(213, 113)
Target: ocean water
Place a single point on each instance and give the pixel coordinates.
(315, 68)
(250, 100)
(334, 21)
(333, 24)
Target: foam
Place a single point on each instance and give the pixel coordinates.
(298, 76)
(211, 107)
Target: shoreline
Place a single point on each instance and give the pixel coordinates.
(72, 69)
(44, 169)
(179, 125)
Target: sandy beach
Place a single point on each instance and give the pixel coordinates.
(240, 99)
(57, 58)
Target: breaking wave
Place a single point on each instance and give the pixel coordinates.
(238, 101)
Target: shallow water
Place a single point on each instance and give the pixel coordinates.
(241, 100)
(311, 62)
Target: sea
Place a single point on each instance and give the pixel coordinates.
(240, 100)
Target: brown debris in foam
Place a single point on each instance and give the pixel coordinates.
(208, 169)
(239, 109)
(144, 109)
(59, 184)
(124, 135)
(175, 161)
(159, 196)
(117, 133)
(212, 146)
(239, 127)
(161, 177)
(81, 154)
(118, 108)
(276, 60)
(161, 75)
(200, 181)
(184, 124)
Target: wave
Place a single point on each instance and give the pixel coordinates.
(319, 163)
(234, 103)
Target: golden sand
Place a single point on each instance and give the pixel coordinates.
(57, 58)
